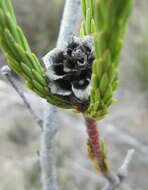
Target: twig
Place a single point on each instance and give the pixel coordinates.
(47, 160)
(115, 180)
(95, 151)
(69, 21)
(50, 126)
(6, 71)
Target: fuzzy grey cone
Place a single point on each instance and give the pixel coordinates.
(69, 70)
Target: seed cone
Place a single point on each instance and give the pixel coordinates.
(69, 71)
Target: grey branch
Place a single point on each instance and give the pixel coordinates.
(69, 21)
(47, 160)
(115, 180)
(50, 127)
(6, 71)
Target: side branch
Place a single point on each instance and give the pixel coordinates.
(115, 180)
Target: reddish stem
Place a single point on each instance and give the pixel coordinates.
(94, 138)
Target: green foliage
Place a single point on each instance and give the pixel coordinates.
(20, 58)
(106, 20)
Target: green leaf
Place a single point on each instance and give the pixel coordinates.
(39, 78)
(39, 87)
(10, 9)
(83, 3)
(23, 40)
(26, 70)
(88, 21)
(93, 26)
(12, 27)
(108, 94)
(104, 83)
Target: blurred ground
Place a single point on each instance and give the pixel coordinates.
(20, 136)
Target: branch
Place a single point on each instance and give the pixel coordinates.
(115, 180)
(50, 126)
(6, 71)
(47, 160)
(68, 25)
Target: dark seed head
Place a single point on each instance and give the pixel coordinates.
(70, 71)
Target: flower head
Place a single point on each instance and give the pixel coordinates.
(69, 70)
